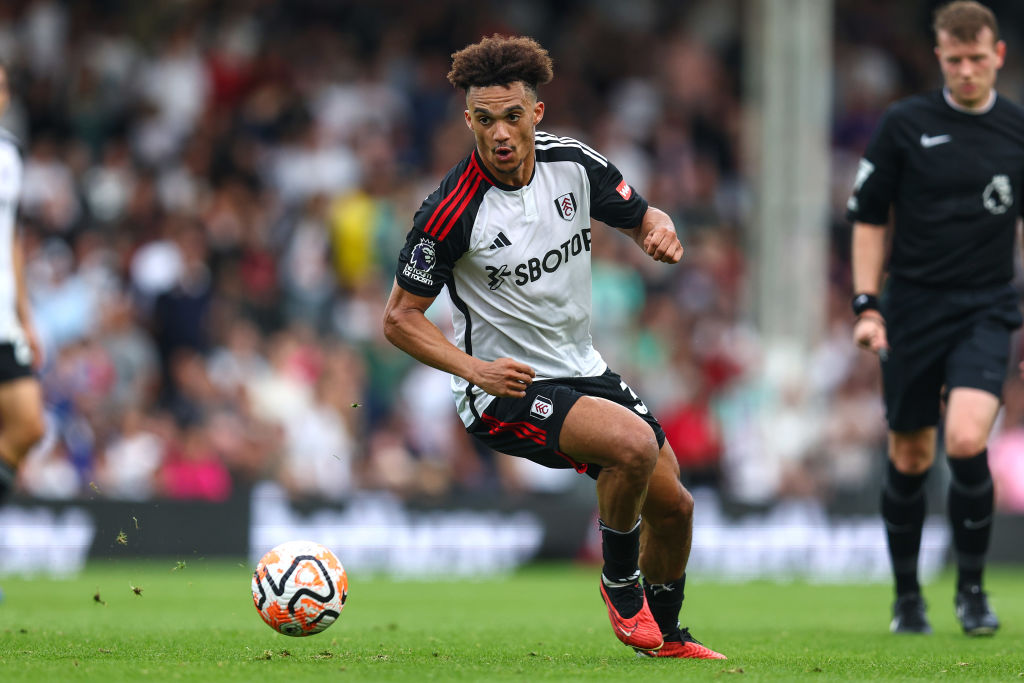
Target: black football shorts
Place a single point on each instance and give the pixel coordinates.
(940, 340)
(529, 427)
(15, 361)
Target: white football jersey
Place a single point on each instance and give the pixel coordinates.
(516, 260)
(10, 191)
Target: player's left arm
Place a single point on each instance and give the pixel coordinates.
(656, 235)
(615, 203)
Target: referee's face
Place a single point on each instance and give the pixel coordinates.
(969, 68)
(503, 119)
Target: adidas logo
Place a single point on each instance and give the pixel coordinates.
(500, 241)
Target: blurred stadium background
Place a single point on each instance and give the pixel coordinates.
(214, 196)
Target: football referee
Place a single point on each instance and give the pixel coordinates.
(948, 167)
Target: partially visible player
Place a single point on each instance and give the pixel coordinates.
(21, 396)
(949, 167)
(508, 234)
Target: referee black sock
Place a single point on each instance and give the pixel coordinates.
(6, 480)
(903, 510)
(970, 514)
(621, 551)
(665, 601)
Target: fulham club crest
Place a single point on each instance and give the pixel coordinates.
(566, 205)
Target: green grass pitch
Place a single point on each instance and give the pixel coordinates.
(196, 622)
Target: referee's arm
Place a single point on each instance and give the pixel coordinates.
(868, 256)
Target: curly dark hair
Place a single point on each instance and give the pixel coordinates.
(501, 60)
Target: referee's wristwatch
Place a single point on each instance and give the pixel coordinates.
(864, 302)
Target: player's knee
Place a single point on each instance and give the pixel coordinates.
(639, 452)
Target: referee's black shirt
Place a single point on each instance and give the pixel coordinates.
(953, 180)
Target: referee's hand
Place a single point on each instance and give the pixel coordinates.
(869, 333)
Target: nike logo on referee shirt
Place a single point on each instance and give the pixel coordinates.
(934, 140)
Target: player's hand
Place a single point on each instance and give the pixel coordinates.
(662, 244)
(869, 333)
(505, 378)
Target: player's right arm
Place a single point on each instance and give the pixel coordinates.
(407, 327)
(439, 237)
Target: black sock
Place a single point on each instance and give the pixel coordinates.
(903, 510)
(665, 601)
(970, 514)
(6, 480)
(621, 550)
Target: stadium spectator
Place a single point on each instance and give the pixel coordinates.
(949, 164)
(507, 202)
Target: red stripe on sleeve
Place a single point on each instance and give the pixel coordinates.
(452, 197)
(458, 211)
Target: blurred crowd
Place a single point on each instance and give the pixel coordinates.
(216, 191)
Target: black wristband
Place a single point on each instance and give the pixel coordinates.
(864, 302)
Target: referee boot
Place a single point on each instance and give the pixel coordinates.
(908, 615)
(974, 613)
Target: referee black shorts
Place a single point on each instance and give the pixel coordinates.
(529, 427)
(940, 340)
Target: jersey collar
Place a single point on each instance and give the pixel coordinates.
(974, 112)
(497, 183)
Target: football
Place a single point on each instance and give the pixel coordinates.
(299, 588)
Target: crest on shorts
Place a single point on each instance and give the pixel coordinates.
(566, 205)
(541, 408)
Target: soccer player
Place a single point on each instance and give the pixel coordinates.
(508, 233)
(949, 166)
(21, 397)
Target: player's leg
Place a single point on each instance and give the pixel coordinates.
(970, 414)
(605, 433)
(21, 426)
(903, 509)
(665, 538)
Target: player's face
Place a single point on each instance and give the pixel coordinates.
(503, 118)
(969, 69)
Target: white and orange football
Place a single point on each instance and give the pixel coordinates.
(299, 588)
